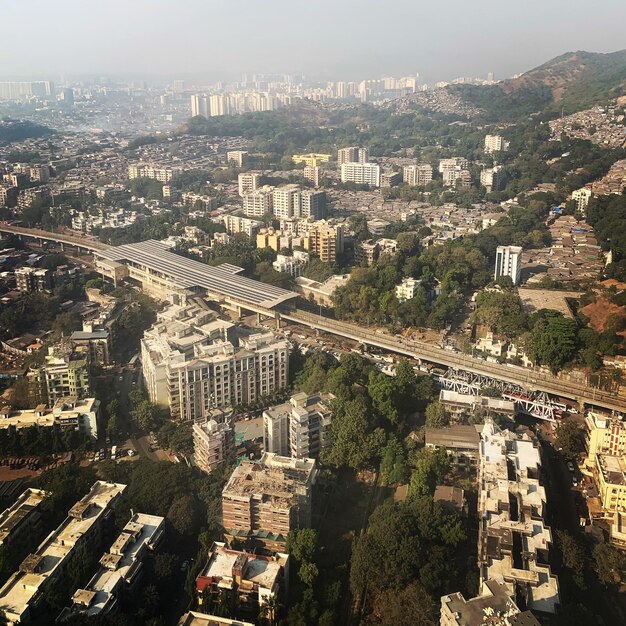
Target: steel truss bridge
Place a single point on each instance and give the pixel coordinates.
(534, 403)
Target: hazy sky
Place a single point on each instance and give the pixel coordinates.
(321, 38)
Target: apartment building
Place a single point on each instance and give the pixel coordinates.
(312, 173)
(495, 143)
(508, 263)
(366, 252)
(263, 500)
(173, 340)
(313, 204)
(68, 412)
(407, 289)
(581, 197)
(298, 428)
(250, 581)
(236, 224)
(292, 264)
(453, 163)
(97, 342)
(213, 442)
(324, 240)
(30, 279)
(248, 182)
(604, 435)
(22, 593)
(20, 524)
(494, 606)
(361, 174)
(222, 375)
(513, 540)
(237, 158)
(260, 202)
(417, 175)
(390, 178)
(149, 170)
(288, 201)
(64, 373)
(120, 570)
(492, 178)
(278, 240)
(352, 154)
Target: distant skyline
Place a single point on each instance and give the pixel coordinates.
(339, 39)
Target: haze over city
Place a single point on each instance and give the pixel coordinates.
(324, 40)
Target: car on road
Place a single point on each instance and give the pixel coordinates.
(131, 453)
(570, 467)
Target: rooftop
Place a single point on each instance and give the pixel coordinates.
(37, 569)
(19, 511)
(201, 619)
(119, 565)
(223, 280)
(259, 570)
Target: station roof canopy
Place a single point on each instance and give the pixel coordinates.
(223, 280)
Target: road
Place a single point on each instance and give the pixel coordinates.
(526, 378)
(85, 242)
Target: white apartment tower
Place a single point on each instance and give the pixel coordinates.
(509, 263)
(248, 182)
(495, 143)
(288, 201)
(417, 175)
(361, 174)
(260, 202)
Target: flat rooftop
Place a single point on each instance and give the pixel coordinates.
(18, 512)
(201, 619)
(23, 586)
(537, 299)
(223, 280)
(260, 570)
(119, 564)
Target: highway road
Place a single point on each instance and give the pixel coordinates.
(529, 379)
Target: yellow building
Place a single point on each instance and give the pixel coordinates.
(610, 475)
(313, 159)
(605, 435)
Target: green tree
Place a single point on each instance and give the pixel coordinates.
(436, 415)
(609, 564)
(569, 439)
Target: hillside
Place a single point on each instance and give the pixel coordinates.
(18, 130)
(572, 81)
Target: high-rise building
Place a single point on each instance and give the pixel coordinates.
(298, 428)
(361, 174)
(325, 240)
(200, 105)
(259, 202)
(219, 105)
(237, 158)
(312, 173)
(26, 89)
(495, 143)
(314, 204)
(508, 263)
(581, 197)
(263, 500)
(492, 178)
(213, 442)
(287, 201)
(148, 170)
(248, 182)
(353, 154)
(417, 175)
(190, 366)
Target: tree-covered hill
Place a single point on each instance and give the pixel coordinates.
(17, 130)
(573, 81)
